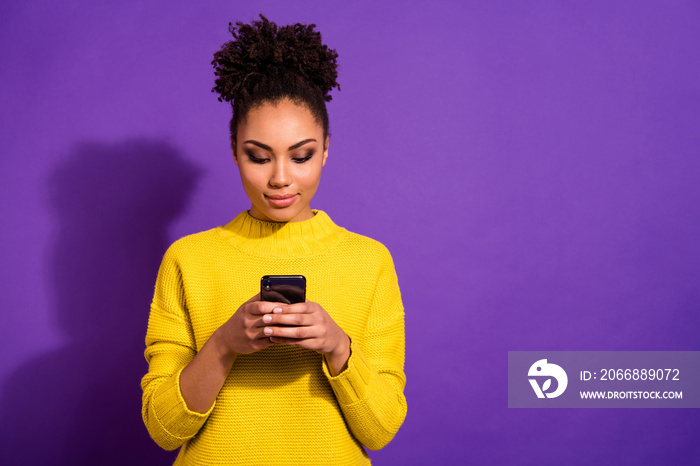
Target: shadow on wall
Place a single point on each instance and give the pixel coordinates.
(81, 405)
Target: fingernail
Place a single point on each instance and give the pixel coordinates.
(267, 318)
(277, 310)
(267, 331)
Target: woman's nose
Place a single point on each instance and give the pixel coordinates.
(280, 174)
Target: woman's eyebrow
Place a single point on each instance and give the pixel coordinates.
(269, 149)
(259, 144)
(300, 143)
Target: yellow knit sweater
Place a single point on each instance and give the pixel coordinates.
(279, 405)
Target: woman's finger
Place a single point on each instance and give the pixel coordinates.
(296, 333)
(288, 319)
(308, 343)
(299, 308)
(264, 307)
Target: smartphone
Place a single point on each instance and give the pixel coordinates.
(287, 289)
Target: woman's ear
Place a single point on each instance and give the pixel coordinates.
(325, 151)
(233, 149)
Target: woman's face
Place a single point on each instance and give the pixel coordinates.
(280, 151)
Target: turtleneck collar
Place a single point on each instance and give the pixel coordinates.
(291, 239)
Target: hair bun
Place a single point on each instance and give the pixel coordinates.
(264, 49)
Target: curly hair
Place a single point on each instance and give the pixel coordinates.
(267, 63)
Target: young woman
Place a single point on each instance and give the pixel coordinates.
(236, 380)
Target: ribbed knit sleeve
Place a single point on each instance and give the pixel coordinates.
(370, 390)
(170, 346)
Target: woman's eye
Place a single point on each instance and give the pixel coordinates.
(304, 158)
(257, 160)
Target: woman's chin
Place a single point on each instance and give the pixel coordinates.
(281, 215)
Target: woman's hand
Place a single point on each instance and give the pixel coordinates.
(242, 333)
(254, 326)
(308, 325)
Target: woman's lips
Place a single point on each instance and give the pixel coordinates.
(281, 200)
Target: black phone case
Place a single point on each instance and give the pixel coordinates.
(287, 289)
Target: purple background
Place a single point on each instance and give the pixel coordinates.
(532, 166)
